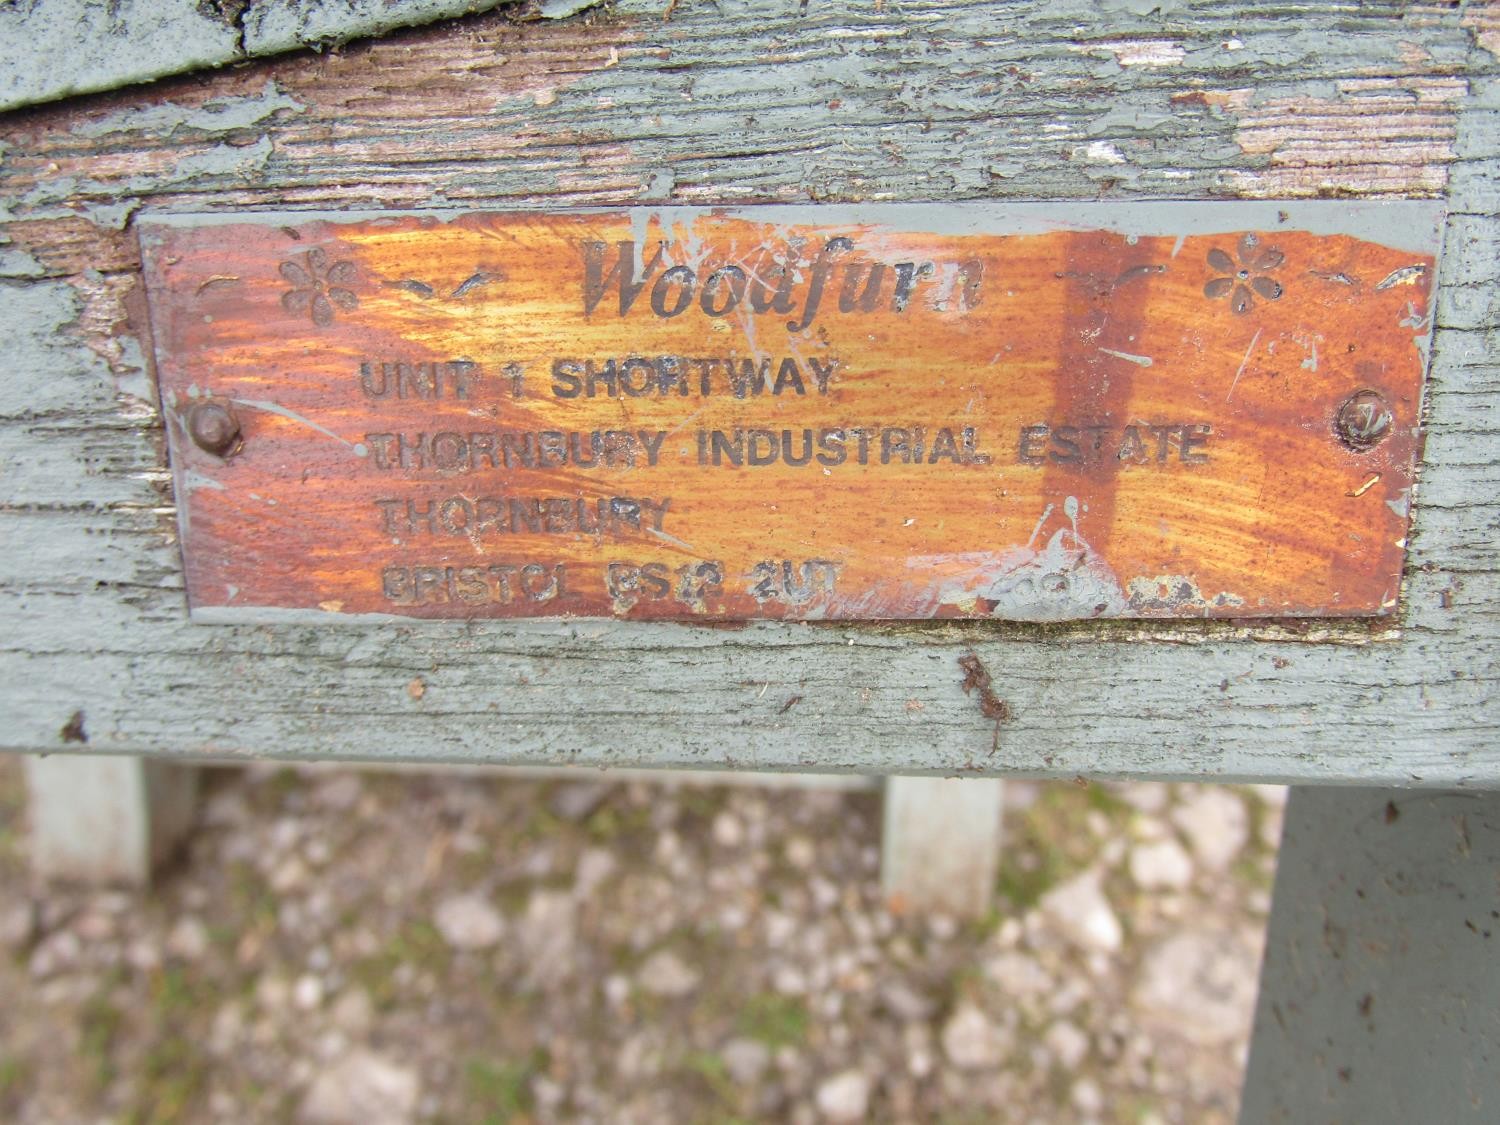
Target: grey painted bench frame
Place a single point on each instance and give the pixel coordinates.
(879, 101)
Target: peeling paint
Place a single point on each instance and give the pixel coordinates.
(1137, 52)
(1172, 593)
(1483, 19)
(1365, 136)
(217, 114)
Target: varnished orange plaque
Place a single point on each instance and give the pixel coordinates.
(1038, 412)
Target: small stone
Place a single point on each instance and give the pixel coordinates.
(56, 952)
(17, 925)
(1201, 983)
(362, 1089)
(188, 939)
(905, 1002)
(1068, 1043)
(942, 927)
(1216, 824)
(353, 1013)
(1017, 975)
(288, 876)
(142, 956)
(971, 1041)
(728, 832)
(1088, 1099)
(546, 934)
(227, 1029)
(666, 974)
(273, 994)
(1008, 936)
(94, 927)
(307, 993)
(468, 922)
(789, 980)
(616, 989)
(1079, 909)
(1143, 796)
(340, 793)
(919, 1060)
(1164, 865)
(801, 852)
(845, 1097)
(746, 1060)
(575, 801)
(594, 866)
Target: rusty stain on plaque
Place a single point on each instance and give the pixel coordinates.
(1028, 412)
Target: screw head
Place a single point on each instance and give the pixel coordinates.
(213, 428)
(1364, 420)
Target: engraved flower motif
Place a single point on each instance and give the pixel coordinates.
(317, 288)
(1247, 277)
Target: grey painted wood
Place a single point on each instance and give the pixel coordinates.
(1379, 999)
(99, 819)
(52, 48)
(940, 844)
(916, 102)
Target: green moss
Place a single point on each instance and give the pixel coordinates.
(251, 900)
(1103, 800)
(10, 1081)
(611, 823)
(713, 1072)
(500, 1092)
(99, 1025)
(775, 1020)
(1052, 841)
(174, 1074)
(1025, 877)
(419, 944)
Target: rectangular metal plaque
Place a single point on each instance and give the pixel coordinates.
(1035, 412)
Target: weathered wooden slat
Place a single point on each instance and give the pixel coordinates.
(52, 48)
(932, 101)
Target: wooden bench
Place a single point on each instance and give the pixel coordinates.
(1378, 999)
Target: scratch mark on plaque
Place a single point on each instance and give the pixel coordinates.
(1336, 278)
(1138, 360)
(1406, 275)
(194, 480)
(1136, 271)
(672, 539)
(276, 408)
(1040, 523)
(1243, 364)
(1362, 489)
(217, 279)
(412, 285)
(686, 421)
(1177, 246)
(473, 282)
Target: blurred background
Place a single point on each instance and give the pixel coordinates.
(336, 945)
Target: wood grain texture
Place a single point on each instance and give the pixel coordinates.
(52, 48)
(926, 102)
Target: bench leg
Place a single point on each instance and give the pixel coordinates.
(101, 819)
(1380, 995)
(941, 844)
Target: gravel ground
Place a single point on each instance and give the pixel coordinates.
(380, 948)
